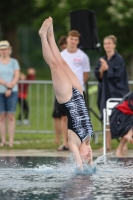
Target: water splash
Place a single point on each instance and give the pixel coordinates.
(34, 178)
(44, 168)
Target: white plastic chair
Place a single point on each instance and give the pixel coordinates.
(110, 104)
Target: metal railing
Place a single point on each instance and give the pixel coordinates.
(41, 101)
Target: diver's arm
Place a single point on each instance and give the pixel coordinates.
(75, 151)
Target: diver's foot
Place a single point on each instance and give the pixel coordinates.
(45, 26)
(50, 30)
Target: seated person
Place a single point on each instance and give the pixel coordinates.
(121, 124)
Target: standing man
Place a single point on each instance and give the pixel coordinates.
(76, 59)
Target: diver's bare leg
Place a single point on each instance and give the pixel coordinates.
(62, 84)
(73, 78)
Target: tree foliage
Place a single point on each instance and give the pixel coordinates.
(121, 12)
(112, 17)
(14, 13)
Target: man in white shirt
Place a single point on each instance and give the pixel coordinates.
(77, 60)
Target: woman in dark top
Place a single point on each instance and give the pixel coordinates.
(112, 77)
(121, 123)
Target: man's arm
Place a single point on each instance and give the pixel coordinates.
(74, 144)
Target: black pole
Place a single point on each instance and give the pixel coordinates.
(87, 103)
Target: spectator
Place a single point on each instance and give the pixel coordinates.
(62, 42)
(60, 118)
(112, 77)
(121, 123)
(76, 59)
(9, 76)
(22, 97)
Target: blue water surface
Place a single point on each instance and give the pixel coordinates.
(48, 178)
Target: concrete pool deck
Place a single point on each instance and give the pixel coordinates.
(52, 153)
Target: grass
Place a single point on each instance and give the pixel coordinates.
(46, 141)
(40, 101)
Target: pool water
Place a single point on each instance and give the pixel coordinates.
(48, 178)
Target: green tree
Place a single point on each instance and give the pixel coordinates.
(112, 17)
(12, 14)
(121, 13)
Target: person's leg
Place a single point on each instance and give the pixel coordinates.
(124, 139)
(61, 82)
(3, 128)
(11, 109)
(125, 148)
(3, 119)
(129, 136)
(57, 121)
(64, 130)
(26, 109)
(108, 139)
(57, 129)
(21, 109)
(11, 127)
(73, 78)
(26, 112)
(120, 147)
